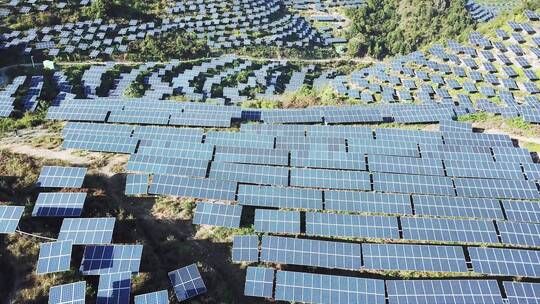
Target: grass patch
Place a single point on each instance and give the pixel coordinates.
(49, 142)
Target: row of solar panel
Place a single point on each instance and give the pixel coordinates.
(391, 257)
(229, 160)
(223, 188)
(321, 288)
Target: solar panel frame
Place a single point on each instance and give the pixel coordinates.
(277, 221)
(137, 184)
(355, 226)
(110, 259)
(220, 215)
(72, 293)
(59, 204)
(330, 179)
(419, 184)
(522, 292)
(320, 288)
(87, 231)
(259, 282)
(371, 202)
(191, 187)
(280, 197)
(54, 257)
(449, 230)
(114, 288)
(405, 165)
(496, 188)
(252, 174)
(61, 177)
(187, 282)
(245, 248)
(305, 252)
(157, 297)
(515, 233)
(505, 262)
(483, 208)
(443, 291)
(522, 211)
(406, 257)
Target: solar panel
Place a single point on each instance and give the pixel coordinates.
(443, 292)
(522, 292)
(457, 207)
(167, 165)
(421, 184)
(505, 262)
(190, 187)
(522, 211)
(532, 171)
(514, 233)
(105, 259)
(187, 282)
(416, 136)
(328, 160)
(479, 169)
(449, 230)
(83, 231)
(60, 204)
(253, 174)
(252, 156)
(54, 257)
(405, 165)
(100, 143)
(220, 215)
(259, 282)
(158, 297)
(61, 177)
(414, 257)
(277, 221)
(371, 202)
(137, 184)
(496, 188)
(330, 179)
(245, 248)
(278, 197)
(282, 250)
(358, 226)
(114, 288)
(241, 140)
(73, 293)
(383, 147)
(10, 217)
(320, 288)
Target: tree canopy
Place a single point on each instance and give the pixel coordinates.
(389, 27)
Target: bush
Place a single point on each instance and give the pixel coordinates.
(177, 44)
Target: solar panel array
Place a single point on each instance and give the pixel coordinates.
(158, 297)
(114, 288)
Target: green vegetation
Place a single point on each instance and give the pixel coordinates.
(303, 98)
(29, 120)
(389, 27)
(177, 45)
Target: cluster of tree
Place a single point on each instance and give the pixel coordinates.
(389, 27)
(177, 45)
(138, 9)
